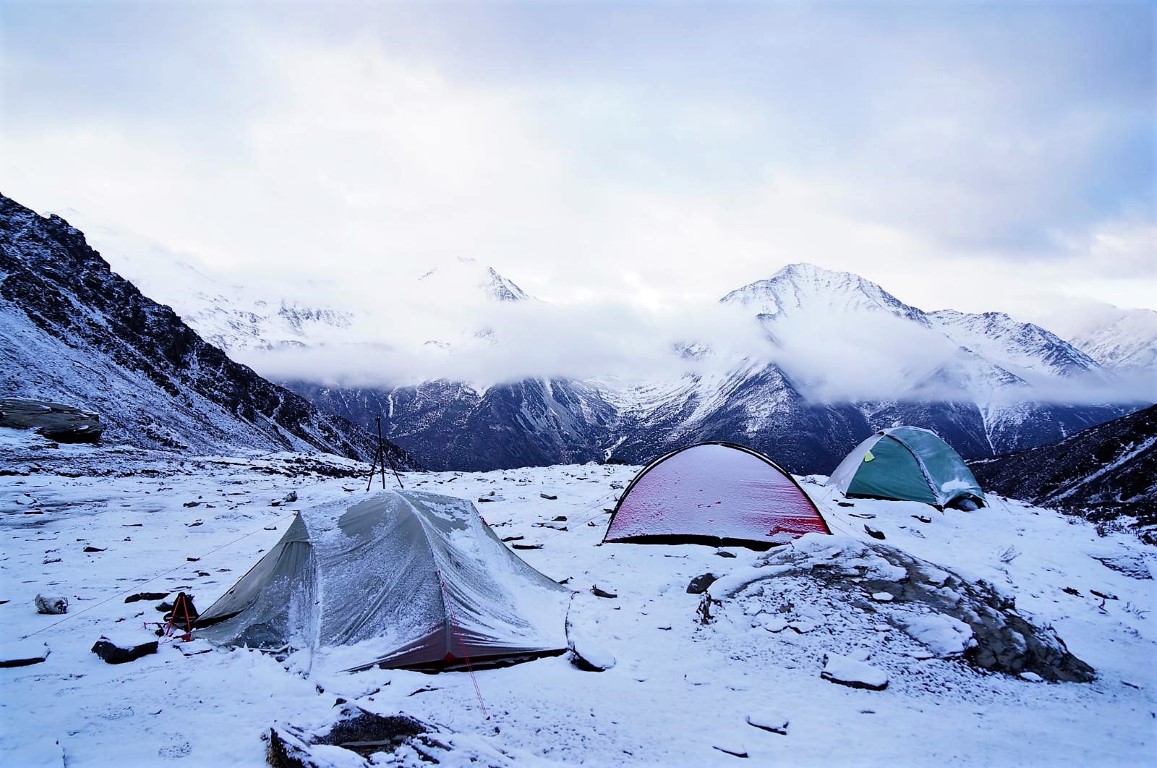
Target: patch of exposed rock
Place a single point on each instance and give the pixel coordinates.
(55, 421)
(358, 737)
(940, 609)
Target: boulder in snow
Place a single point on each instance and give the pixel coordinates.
(23, 653)
(51, 605)
(115, 654)
(775, 722)
(853, 673)
(977, 620)
(732, 748)
(357, 734)
(54, 421)
(700, 583)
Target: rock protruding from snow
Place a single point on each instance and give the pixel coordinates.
(360, 739)
(54, 421)
(117, 654)
(946, 613)
(943, 635)
(853, 673)
(590, 657)
(51, 605)
(776, 722)
(700, 583)
(23, 653)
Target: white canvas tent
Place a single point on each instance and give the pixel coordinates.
(402, 579)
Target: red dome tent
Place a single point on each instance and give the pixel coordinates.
(713, 493)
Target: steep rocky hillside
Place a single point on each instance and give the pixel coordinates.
(73, 331)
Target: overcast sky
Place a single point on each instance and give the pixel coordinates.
(975, 156)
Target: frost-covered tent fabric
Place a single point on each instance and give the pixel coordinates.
(402, 579)
(713, 493)
(908, 463)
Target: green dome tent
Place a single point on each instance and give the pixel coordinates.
(908, 463)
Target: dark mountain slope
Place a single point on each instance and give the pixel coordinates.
(447, 425)
(1101, 473)
(72, 330)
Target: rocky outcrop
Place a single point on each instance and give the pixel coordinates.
(357, 735)
(55, 421)
(942, 611)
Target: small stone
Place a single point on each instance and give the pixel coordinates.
(853, 673)
(700, 583)
(883, 597)
(769, 721)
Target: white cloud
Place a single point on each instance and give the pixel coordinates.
(949, 159)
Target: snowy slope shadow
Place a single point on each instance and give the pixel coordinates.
(845, 589)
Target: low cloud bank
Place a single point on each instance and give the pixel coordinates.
(830, 356)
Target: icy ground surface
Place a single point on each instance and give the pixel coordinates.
(679, 693)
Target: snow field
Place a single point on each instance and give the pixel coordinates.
(680, 692)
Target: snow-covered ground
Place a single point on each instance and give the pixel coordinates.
(681, 692)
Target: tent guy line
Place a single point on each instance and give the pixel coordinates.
(140, 584)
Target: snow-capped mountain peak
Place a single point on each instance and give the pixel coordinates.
(1122, 339)
(1011, 343)
(805, 286)
(466, 276)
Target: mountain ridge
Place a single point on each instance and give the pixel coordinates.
(76, 332)
(986, 381)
